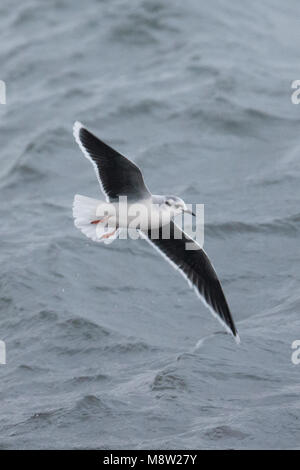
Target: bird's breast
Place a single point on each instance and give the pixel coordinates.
(140, 215)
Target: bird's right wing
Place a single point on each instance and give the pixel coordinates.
(117, 175)
(196, 267)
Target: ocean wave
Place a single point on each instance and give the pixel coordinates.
(87, 379)
(223, 432)
(168, 380)
(130, 347)
(142, 23)
(289, 225)
(89, 404)
(83, 327)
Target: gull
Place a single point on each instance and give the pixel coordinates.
(120, 178)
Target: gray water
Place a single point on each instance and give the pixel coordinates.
(107, 347)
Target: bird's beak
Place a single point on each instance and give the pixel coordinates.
(188, 211)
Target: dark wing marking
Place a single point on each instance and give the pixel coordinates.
(117, 175)
(196, 267)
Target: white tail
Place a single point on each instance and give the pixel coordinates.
(85, 211)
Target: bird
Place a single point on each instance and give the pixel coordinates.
(122, 182)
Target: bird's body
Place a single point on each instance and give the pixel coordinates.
(146, 212)
(130, 205)
(104, 218)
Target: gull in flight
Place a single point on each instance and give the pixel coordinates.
(120, 178)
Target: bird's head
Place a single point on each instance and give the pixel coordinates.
(176, 205)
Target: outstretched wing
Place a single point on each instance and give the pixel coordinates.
(117, 175)
(194, 264)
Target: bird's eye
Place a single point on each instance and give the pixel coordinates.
(168, 204)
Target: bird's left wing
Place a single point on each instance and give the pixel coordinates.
(117, 175)
(196, 267)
